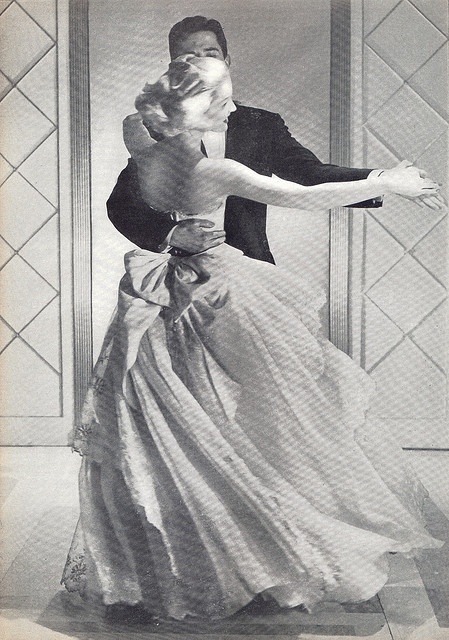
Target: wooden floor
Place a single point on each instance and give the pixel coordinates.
(38, 493)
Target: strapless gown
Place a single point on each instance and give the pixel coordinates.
(226, 451)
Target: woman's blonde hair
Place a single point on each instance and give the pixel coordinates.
(172, 104)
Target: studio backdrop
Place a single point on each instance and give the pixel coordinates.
(360, 83)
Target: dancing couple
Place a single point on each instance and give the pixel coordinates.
(226, 452)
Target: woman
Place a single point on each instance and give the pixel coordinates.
(225, 447)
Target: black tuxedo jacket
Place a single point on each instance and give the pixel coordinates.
(258, 139)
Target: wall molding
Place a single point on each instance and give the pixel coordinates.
(340, 153)
(81, 197)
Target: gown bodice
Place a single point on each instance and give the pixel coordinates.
(216, 216)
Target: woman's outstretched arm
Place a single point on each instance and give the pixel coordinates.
(229, 177)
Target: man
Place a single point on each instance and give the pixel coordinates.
(255, 137)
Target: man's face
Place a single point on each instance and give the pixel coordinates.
(201, 44)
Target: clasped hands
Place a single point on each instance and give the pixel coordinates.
(196, 235)
(413, 184)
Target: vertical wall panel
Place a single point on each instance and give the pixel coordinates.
(36, 383)
(400, 274)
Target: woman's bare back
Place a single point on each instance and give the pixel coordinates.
(169, 178)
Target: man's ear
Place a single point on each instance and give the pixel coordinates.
(228, 60)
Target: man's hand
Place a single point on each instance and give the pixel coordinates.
(435, 202)
(194, 235)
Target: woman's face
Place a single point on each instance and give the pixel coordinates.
(221, 106)
(214, 115)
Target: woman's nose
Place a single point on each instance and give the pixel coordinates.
(232, 107)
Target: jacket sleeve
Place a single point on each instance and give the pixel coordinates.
(292, 161)
(129, 213)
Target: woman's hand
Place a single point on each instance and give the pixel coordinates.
(406, 180)
(135, 135)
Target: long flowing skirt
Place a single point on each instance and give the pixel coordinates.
(226, 451)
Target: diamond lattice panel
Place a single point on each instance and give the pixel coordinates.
(435, 161)
(38, 331)
(4, 4)
(29, 194)
(407, 293)
(6, 252)
(382, 251)
(39, 85)
(409, 386)
(22, 42)
(41, 169)
(44, 12)
(31, 387)
(405, 39)
(432, 334)
(23, 127)
(5, 170)
(435, 10)
(24, 293)
(377, 154)
(407, 124)
(6, 335)
(405, 220)
(381, 335)
(24, 210)
(432, 251)
(380, 82)
(406, 303)
(42, 252)
(423, 81)
(5, 85)
(375, 12)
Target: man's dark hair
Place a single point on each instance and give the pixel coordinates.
(193, 24)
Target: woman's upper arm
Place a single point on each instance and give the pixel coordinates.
(238, 180)
(230, 177)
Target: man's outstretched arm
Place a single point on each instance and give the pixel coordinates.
(294, 162)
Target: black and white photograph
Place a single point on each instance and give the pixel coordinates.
(224, 325)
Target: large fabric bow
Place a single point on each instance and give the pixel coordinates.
(154, 281)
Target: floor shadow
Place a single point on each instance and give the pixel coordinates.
(433, 565)
(73, 617)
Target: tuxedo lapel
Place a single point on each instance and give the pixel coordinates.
(244, 141)
(238, 138)
(232, 137)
